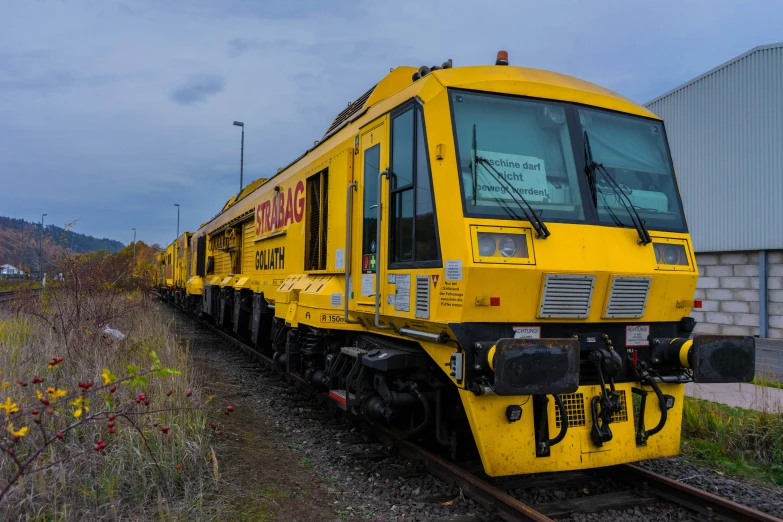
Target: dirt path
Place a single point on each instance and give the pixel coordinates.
(258, 478)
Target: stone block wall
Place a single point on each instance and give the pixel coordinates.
(729, 290)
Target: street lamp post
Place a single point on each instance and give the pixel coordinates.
(40, 252)
(241, 153)
(176, 249)
(134, 249)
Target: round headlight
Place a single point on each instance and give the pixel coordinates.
(486, 245)
(658, 249)
(507, 247)
(671, 255)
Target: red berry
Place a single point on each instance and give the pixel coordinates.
(165, 430)
(37, 380)
(59, 435)
(188, 393)
(168, 393)
(146, 402)
(10, 451)
(16, 438)
(155, 425)
(36, 412)
(111, 417)
(23, 383)
(213, 425)
(50, 411)
(96, 448)
(113, 389)
(179, 466)
(111, 430)
(44, 401)
(229, 408)
(110, 425)
(37, 420)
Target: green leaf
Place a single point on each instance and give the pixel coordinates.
(139, 381)
(155, 360)
(133, 369)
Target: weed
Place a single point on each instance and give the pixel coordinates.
(305, 462)
(739, 441)
(368, 512)
(343, 514)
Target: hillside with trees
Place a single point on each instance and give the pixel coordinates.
(20, 243)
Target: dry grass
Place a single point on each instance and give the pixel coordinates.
(136, 475)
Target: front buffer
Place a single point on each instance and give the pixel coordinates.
(536, 416)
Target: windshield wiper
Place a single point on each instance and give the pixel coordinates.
(540, 227)
(591, 167)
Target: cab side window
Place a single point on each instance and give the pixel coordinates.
(414, 234)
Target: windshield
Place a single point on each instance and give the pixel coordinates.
(513, 151)
(516, 151)
(633, 151)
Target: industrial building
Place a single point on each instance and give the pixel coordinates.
(725, 130)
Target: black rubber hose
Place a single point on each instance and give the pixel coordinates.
(427, 412)
(661, 404)
(563, 421)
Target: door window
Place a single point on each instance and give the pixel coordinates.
(372, 162)
(414, 235)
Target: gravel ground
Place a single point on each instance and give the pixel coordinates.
(364, 480)
(766, 499)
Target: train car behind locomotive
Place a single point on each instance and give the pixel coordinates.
(492, 258)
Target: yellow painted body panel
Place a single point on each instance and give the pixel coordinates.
(259, 243)
(509, 448)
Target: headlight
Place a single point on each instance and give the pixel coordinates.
(486, 244)
(508, 247)
(671, 254)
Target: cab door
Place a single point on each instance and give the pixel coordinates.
(371, 160)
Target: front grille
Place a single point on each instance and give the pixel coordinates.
(628, 297)
(575, 409)
(567, 295)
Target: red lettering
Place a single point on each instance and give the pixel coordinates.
(267, 216)
(280, 209)
(259, 221)
(300, 203)
(289, 209)
(274, 212)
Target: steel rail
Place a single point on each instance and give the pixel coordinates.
(693, 498)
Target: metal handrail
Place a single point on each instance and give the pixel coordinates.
(378, 254)
(347, 254)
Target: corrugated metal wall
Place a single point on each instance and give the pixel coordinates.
(725, 129)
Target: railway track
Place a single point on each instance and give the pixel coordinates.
(13, 295)
(643, 487)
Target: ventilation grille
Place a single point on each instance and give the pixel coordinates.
(622, 415)
(575, 409)
(577, 413)
(567, 295)
(352, 109)
(628, 297)
(423, 297)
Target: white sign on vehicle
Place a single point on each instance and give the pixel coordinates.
(637, 334)
(521, 175)
(527, 332)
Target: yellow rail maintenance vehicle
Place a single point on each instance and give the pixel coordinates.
(492, 258)
(174, 267)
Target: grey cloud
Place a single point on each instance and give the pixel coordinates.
(198, 88)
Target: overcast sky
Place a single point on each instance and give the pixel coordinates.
(111, 112)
